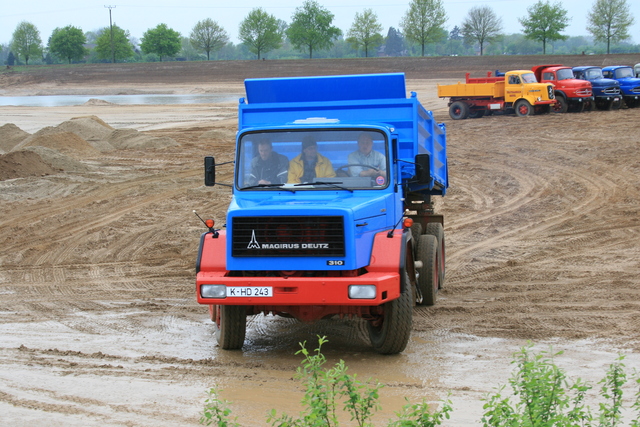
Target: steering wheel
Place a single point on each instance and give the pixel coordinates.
(355, 164)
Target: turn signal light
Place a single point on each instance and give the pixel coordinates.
(407, 223)
(209, 223)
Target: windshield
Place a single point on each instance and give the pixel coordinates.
(565, 74)
(593, 73)
(622, 73)
(529, 78)
(321, 159)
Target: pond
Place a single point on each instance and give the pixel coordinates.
(146, 99)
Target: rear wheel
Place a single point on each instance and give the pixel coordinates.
(523, 108)
(476, 113)
(436, 229)
(389, 333)
(561, 105)
(459, 110)
(231, 325)
(427, 253)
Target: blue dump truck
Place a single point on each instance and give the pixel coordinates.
(629, 83)
(605, 91)
(331, 213)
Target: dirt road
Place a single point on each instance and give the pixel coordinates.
(98, 320)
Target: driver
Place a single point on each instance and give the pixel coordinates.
(367, 156)
(309, 164)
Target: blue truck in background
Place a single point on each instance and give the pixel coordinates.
(350, 239)
(605, 91)
(629, 83)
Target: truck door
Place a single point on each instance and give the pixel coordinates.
(513, 88)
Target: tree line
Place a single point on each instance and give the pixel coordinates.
(311, 33)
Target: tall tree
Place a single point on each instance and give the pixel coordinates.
(609, 21)
(545, 22)
(424, 22)
(122, 47)
(161, 40)
(261, 32)
(208, 36)
(311, 28)
(481, 25)
(68, 43)
(26, 42)
(365, 31)
(394, 43)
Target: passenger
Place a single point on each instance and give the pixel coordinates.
(309, 164)
(268, 167)
(366, 155)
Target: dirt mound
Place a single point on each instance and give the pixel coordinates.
(92, 129)
(10, 136)
(131, 138)
(95, 101)
(20, 164)
(65, 142)
(58, 160)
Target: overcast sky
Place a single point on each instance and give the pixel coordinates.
(137, 16)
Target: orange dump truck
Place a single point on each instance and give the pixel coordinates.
(517, 91)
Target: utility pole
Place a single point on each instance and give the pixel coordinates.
(113, 49)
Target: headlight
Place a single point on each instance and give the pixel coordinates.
(362, 291)
(213, 291)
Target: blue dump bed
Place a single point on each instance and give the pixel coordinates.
(352, 100)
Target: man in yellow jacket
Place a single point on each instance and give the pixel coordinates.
(309, 164)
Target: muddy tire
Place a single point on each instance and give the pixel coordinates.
(459, 110)
(616, 104)
(523, 108)
(416, 232)
(427, 253)
(390, 333)
(231, 326)
(561, 105)
(436, 229)
(589, 105)
(476, 114)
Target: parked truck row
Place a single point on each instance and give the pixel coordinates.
(545, 88)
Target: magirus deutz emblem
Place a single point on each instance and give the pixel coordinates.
(253, 244)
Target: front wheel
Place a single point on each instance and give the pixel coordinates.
(390, 332)
(616, 104)
(561, 105)
(589, 105)
(231, 325)
(523, 108)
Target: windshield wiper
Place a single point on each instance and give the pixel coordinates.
(267, 186)
(333, 184)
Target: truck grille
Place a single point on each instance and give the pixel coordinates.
(611, 91)
(288, 236)
(583, 92)
(636, 90)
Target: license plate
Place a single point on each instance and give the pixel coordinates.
(249, 291)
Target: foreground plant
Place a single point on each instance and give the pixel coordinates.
(545, 398)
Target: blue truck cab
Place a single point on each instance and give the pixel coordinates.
(606, 91)
(351, 231)
(629, 83)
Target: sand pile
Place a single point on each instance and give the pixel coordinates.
(10, 136)
(131, 138)
(63, 147)
(20, 164)
(57, 139)
(92, 129)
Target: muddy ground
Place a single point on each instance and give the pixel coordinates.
(98, 319)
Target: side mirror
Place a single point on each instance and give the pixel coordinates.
(423, 169)
(209, 171)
